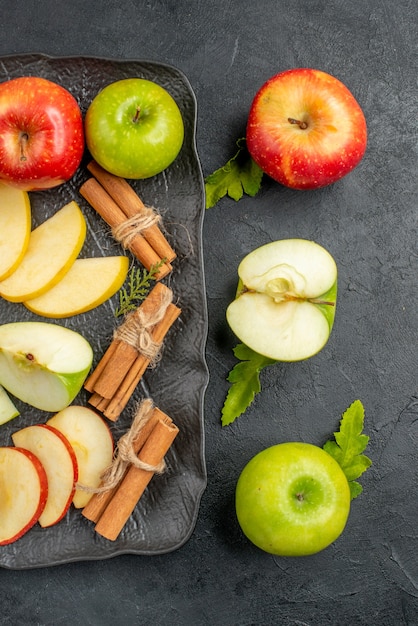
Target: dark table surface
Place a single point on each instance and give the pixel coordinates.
(368, 221)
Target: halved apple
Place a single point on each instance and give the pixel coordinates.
(286, 298)
(53, 248)
(87, 284)
(23, 492)
(43, 364)
(7, 409)
(92, 442)
(15, 227)
(60, 464)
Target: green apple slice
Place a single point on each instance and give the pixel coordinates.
(15, 225)
(88, 283)
(43, 364)
(7, 409)
(53, 248)
(285, 303)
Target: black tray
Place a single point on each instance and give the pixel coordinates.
(165, 516)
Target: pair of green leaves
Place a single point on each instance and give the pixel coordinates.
(349, 442)
(238, 176)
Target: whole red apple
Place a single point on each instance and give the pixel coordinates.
(305, 129)
(41, 133)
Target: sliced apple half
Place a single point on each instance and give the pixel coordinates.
(60, 464)
(7, 409)
(15, 227)
(53, 247)
(286, 298)
(92, 442)
(23, 492)
(87, 284)
(42, 363)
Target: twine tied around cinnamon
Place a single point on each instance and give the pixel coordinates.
(136, 329)
(126, 232)
(124, 455)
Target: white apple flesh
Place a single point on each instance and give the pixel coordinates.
(285, 303)
(53, 247)
(60, 464)
(92, 442)
(23, 492)
(15, 227)
(88, 283)
(43, 364)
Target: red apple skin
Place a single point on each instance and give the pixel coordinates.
(43, 482)
(41, 133)
(333, 142)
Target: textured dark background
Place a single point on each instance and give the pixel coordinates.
(368, 221)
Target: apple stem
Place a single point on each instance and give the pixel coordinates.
(135, 118)
(302, 125)
(23, 141)
(318, 301)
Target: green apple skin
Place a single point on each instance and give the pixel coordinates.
(289, 323)
(134, 128)
(43, 364)
(292, 499)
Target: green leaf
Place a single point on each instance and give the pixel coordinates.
(239, 175)
(245, 379)
(348, 446)
(138, 286)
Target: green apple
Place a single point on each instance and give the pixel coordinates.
(43, 364)
(292, 499)
(134, 128)
(286, 297)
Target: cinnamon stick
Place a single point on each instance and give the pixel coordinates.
(117, 374)
(131, 204)
(99, 501)
(113, 408)
(113, 215)
(124, 354)
(130, 490)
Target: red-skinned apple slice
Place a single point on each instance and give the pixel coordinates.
(92, 441)
(58, 458)
(23, 492)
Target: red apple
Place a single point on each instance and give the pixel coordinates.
(23, 492)
(41, 133)
(305, 129)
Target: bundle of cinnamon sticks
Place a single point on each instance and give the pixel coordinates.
(148, 441)
(133, 224)
(135, 346)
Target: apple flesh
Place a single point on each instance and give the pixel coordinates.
(134, 128)
(15, 228)
(8, 411)
(305, 129)
(23, 492)
(92, 442)
(41, 133)
(43, 364)
(285, 303)
(292, 499)
(87, 284)
(53, 247)
(60, 464)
